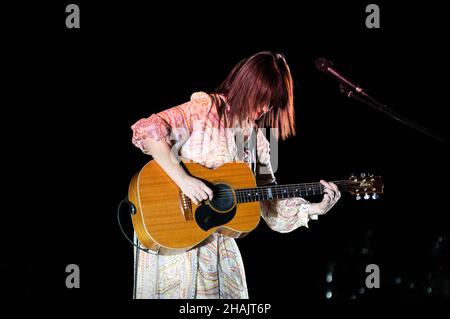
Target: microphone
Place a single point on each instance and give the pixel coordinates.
(326, 66)
(347, 88)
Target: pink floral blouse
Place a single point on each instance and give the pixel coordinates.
(215, 269)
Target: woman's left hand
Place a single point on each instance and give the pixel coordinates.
(330, 197)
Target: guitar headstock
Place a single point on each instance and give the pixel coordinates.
(365, 186)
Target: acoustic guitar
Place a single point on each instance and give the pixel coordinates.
(167, 221)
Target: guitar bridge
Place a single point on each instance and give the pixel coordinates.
(185, 206)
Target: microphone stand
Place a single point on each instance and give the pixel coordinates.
(348, 92)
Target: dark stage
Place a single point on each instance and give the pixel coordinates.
(69, 97)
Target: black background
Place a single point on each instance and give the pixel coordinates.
(69, 97)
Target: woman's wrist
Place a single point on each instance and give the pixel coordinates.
(314, 210)
(180, 177)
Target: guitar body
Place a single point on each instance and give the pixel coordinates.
(167, 221)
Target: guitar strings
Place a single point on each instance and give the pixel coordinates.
(279, 190)
(261, 191)
(243, 193)
(289, 187)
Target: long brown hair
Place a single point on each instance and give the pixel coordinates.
(261, 79)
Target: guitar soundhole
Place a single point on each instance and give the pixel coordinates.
(223, 199)
(219, 211)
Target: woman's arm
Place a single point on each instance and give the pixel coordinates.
(194, 188)
(154, 136)
(160, 151)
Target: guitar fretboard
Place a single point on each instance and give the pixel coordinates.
(245, 195)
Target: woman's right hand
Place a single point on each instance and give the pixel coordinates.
(195, 189)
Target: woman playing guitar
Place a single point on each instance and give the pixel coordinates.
(258, 92)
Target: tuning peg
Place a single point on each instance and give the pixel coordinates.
(358, 197)
(353, 176)
(363, 175)
(366, 196)
(375, 196)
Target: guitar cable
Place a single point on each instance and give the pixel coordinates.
(132, 210)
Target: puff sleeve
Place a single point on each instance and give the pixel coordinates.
(171, 125)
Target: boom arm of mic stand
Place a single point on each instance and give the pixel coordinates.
(393, 114)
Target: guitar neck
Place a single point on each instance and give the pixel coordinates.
(245, 195)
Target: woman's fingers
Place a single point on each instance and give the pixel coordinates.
(332, 189)
(330, 185)
(203, 195)
(331, 195)
(333, 186)
(209, 192)
(327, 198)
(325, 183)
(194, 200)
(196, 190)
(337, 193)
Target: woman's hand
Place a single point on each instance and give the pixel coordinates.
(330, 197)
(195, 189)
(192, 187)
